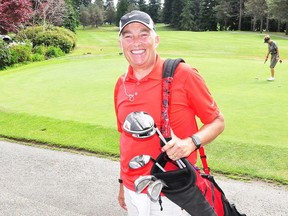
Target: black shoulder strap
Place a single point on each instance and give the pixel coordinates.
(167, 77)
(170, 66)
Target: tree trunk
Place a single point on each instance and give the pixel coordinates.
(261, 25)
(254, 23)
(267, 23)
(240, 15)
(286, 31)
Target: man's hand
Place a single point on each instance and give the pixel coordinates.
(121, 198)
(266, 59)
(178, 148)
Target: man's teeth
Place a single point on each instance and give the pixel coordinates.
(137, 51)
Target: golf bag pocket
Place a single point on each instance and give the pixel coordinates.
(197, 194)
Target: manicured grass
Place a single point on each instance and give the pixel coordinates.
(69, 101)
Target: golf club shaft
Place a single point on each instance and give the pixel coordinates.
(158, 165)
(179, 161)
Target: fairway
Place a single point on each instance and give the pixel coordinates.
(68, 101)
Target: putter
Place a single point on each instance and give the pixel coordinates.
(155, 189)
(142, 182)
(142, 160)
(142, 125)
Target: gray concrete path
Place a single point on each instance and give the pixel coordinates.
(44, 182)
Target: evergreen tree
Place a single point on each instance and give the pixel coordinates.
(235, 15)
(78, 3)
(223, 13)
(70, 18)
(167, 11)
(177, 8)
(187, 21)
(207, 18)
(154, 9)
(142, 6)
(122, 8)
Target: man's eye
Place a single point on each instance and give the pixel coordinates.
(144, 35)
(127, 36)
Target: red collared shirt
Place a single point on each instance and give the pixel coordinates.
(190, 97)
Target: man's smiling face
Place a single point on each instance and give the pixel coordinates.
(139, 45)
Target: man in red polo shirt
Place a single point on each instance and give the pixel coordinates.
(140, 89)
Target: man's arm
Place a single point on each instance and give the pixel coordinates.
(178, 148)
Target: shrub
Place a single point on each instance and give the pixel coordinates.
(40, 50)
(5, 56)
(54, 52)
(66, 32)
(37, 57)
(53, 38)
(20, 52)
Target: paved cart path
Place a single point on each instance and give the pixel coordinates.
(44, 182)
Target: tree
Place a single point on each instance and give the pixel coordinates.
(49, 12)
(223, 12)
(207, 18)
(78, 3)
(177, 8)
(122, 8)
(84, 16)
(142, 6)
(95, 15)
(110, 12)
(278, 9)
(154, 10)
(241, 2)
(257, 9)
(14, 14)
(187, 21)
(70, 18)
(167, 11)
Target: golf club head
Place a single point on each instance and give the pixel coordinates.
(142, 160)
(155, 189)
(139, 124)
(142, 182)
(139, 161)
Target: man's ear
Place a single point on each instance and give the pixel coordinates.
(120, 44)
(157, 41)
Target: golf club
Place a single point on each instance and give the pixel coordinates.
(155, 189)
(142, 182)
(139, 124)
(142, 125)
(141, 160)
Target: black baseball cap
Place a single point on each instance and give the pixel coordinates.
(136, 16)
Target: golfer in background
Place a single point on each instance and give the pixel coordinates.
(275, 56)
(140, 89)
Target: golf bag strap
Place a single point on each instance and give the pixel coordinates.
(167, 77)
(203, 157)
(169, 68)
